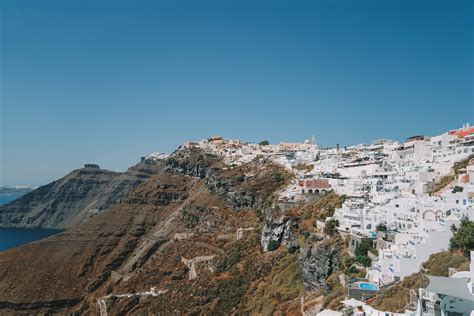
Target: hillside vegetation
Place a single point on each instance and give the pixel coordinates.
(322, 208)
(463, 236)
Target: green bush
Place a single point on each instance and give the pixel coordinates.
(463, 236)
(330, 227)
(363, 247)
(364, 260)
(273, 245)
(264, 143)
(381, 227)
(457, 189)
(353, 270)
(279, 176)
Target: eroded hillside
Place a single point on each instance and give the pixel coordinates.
(75, 198)
(192, 208)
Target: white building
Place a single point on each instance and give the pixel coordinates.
(449, 296)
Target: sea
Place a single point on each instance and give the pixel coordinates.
(13, 237)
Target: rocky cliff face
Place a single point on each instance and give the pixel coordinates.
(188, 211)
(318, 255)
(280, 228)
(248, 186)
(318, 260)
(75, 198)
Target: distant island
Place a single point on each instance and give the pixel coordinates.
(15, 190)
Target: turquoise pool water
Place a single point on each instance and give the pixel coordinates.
(369, 286)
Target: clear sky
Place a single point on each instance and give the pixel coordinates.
(109, 81)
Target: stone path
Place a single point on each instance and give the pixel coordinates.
(190, 263)
(103, 305)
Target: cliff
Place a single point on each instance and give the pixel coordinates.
(75, 198)
(190, 238)
(158, 235)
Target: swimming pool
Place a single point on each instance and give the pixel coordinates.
(369, 286)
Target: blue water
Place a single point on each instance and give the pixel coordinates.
(4, 199)
(13, 237)
(369, 286)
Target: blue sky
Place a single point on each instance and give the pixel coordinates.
(110, 81)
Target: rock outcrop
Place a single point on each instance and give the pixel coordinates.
(247, 186)
(319, 260)
(279, 228)
(75, 198)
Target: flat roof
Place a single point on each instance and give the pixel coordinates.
(328, 312)
(456, 287)
(352, 303)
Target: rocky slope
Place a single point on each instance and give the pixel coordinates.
(279, 228)
(73, 199)
(191, 208)
(189, 239)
